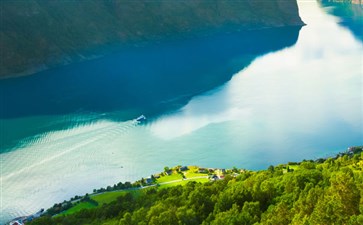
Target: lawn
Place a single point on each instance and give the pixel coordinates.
(294, 167)
(78, 207)
(101, 199)
(193, 168)
(171, 177)
(191, 174)
(107, 197)
(183, 182)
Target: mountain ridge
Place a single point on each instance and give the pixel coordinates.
(37, 35)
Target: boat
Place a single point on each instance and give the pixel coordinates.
(140, 119)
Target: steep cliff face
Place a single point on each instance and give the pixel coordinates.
(38, 34)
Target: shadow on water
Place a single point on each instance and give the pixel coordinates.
(351, 16)
(142, 80)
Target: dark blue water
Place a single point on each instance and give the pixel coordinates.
(147, 80)
(249, 99)
(350, 15)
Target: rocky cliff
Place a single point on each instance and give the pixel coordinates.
(37, 34)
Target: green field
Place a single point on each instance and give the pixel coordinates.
(101, 199)
(107, 197)
(78, 207)
(183, 182)
(294, 167)
(191, 175)
(169, 178)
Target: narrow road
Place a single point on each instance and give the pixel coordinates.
(174, 181)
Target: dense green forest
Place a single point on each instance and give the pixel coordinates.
(324, 191)
(37, 34)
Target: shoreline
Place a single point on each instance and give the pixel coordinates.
(179, 175)
(118, 47)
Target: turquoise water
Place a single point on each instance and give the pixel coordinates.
(245, 99)
(150, 80)
(351, 16)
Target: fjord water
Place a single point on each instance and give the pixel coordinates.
(210, 106)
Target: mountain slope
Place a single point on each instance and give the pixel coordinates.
(36, 34)
(325, 191)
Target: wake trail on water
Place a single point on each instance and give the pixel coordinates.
(69, 140)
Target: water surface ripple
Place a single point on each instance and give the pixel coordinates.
(302, 101)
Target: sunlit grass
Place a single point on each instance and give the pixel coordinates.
(107, 197)
(169, 178)
(77, 208)
(183, 182)
(191, 175)
(294, 167)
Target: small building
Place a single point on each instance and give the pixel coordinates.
(202, 170)
(221, 171)
(148, 180)
(169, 172)
(183, 168)
(214, 177)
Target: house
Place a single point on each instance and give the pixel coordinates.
(169, 172)
(183, 168)
(214, 177)
(202, 170)
(148, 180)
(221, 171)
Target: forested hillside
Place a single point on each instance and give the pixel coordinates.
(325, 191)
(37, 34)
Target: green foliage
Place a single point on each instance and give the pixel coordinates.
(37, 33)
(78, 207)
(107, 197)
(323, 192)
(168, 178)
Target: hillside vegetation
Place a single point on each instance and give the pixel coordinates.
(325, 191)
(38, 34)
